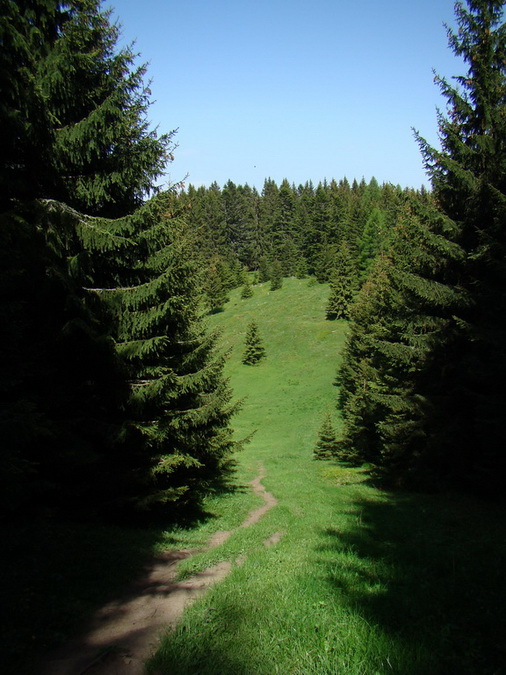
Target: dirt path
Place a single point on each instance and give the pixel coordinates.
(124, 633)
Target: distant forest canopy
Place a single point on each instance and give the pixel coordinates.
(304, 227)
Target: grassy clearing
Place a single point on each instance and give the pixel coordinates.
(362, 581)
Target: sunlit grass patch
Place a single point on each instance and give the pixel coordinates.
(342, 475)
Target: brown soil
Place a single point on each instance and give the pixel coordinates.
(124, 633)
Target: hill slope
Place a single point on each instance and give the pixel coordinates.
(287, 391)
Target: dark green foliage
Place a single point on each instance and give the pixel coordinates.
(389, 364)
(247, 291)
(358, 376)
(276, 275)
(326, 446)
(373, 239)
(254, 349)
(343, 283)
(301, 227)
(422, 378)
(177, 435)
(216, 294)
(301, 268)
(469, 180)
(263, 269)
(111, 393)
(324, 262)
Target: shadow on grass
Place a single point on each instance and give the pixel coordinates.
(208, 644)
(204, 658)
(56, 572)
(428, 569)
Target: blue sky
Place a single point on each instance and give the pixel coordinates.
(290, 89)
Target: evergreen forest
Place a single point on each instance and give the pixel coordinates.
(120, 401)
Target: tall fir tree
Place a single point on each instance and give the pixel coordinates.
(389, 375)
(247, 291)
(421, 377)
(96, 309)
(176, 434)
(469, 181)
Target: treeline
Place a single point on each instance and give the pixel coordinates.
(303, 229)
(111, 391)
(422, 382)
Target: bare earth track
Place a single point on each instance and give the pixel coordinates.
(124, 633)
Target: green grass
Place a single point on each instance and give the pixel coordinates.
(362, 581)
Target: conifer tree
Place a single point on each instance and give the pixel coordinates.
(301, 267)
(71, 110)
(326, 446)
(343, 283)
(390, 367)
(254, 349)
(263, 269)
(276, 274)
(421, 378)
(114, 393)
(216, 294)
(176, 435)
(469, 180)
(247, 291)
(324, 262)
(373, 239)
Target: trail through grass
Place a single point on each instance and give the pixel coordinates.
(358, 580)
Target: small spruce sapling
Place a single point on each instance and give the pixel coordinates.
(326, 446)
(254, 349)
(246, 291)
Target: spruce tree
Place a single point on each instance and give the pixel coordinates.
(373, 239)
(301, 267)
(216, 294)
(247, 291)
(67, 86)
(343, 283)
(263, 269)
(422, 374)
(390, 365)
(469, 181)
(276, 274)
(254, 349)
(176, 434)
(326, 446)
(112, 392)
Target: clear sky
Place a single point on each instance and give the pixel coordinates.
(290, 89)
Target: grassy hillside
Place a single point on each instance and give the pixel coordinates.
(287, 391)
(360, 581)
